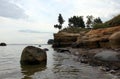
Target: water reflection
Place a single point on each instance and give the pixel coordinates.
(29, 70)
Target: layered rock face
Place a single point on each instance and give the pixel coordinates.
(95, 38)
(64, 39)
(115, 40)
(33, 55)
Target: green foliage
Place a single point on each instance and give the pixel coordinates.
(97, 20)
(89, 21)
(100, 25)
(97, 23)
(76, 21)
(60, 19)
(74, 29)
(114, 21)
(58, 26)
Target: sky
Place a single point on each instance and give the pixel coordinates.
(32, 21)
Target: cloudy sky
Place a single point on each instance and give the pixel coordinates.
(31, 21)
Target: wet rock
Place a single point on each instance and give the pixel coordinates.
(3, 44)
(115, 40)
(50, 41)
(83, 60)
(107, 55)
(29, 70)
(39, 45)
(112, 71)
(33, 55)
(46, 49)
(105, 69)
(61, 50)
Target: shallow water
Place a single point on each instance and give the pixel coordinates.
(58, 66)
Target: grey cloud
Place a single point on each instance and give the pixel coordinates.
(8, 9)
(32, 31)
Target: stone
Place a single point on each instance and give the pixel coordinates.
(45, 49)
(107, 55)
(29, 70)
(50, 41)
(33, 55)
(3, 44)
(39, 45)
(115, 40)
(61, 50)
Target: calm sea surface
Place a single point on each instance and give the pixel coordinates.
(58, 66)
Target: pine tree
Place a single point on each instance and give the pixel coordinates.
(76, 21)
(89, 21)
(60, 19)
(97, 20)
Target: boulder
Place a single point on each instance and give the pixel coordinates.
(46, 49)
(33, 55)
(62, 50)
(39, 45)
(115, 40)
(3, 44)
(29, 70)
(50, 41)
(108, 55)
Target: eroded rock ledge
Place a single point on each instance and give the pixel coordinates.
(95, 38)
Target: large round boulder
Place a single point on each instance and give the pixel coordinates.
(33, 55)
(115, 40)
(108, 55)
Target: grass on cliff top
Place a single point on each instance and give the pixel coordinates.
(115, 21)
(74, 30)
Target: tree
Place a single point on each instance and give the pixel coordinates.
(97, 20)
(89, 21)
(60, 21)
(76, 21)
(58, 26)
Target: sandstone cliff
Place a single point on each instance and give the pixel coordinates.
(64, 39)
(95, 38)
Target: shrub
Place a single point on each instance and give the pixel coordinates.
(100, 25)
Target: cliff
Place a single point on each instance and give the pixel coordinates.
(95, 38)
(64, 39)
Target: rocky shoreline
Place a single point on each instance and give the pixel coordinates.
(97, 47)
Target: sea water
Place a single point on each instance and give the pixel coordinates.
(58, 66)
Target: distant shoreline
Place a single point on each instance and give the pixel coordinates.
(27, 44)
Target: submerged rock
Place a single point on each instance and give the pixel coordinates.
(33, 55)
